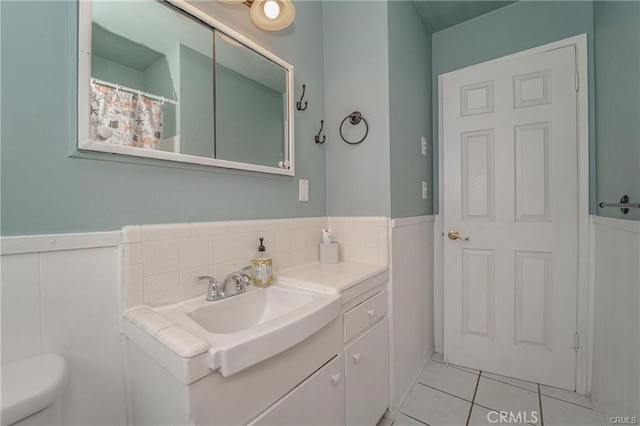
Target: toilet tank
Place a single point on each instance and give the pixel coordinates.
(31, 390)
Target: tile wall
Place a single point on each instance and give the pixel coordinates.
(66, 297)
(160, 262)
(362, 239)
(68, 302)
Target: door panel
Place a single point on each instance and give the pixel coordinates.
(511, 186)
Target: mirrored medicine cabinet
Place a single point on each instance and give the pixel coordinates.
(163, 80)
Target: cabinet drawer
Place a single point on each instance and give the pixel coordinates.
(361, 316)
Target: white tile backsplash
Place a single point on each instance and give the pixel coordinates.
(204, 229)
(132, 234)
(132, 254)
(161, 269)
(283, 240)
(243, 226)
(189, 287)
(160, 257)
(165, 232)
(362, 239)
(223, 249)
(163, 289)
(133, 293)
(247, 244)
(194, 252)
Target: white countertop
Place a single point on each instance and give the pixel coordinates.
(335, 278)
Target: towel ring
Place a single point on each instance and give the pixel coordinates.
(354, 118)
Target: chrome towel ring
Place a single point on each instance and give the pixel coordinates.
(354, 118)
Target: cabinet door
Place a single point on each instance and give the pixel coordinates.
(319, 400)
(367, 370)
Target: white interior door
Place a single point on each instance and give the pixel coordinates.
(510, 150)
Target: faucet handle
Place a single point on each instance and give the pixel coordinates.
(207, 277)
(246, 275)
(213, 292)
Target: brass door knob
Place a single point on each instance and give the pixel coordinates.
(455, 235)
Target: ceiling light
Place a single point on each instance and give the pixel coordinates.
(272, 15)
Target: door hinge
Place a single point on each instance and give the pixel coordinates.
(577, 79)
(576, 342)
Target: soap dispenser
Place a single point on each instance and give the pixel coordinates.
(262, 267)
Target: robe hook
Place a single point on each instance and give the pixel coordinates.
(299, 106)
(318, 135)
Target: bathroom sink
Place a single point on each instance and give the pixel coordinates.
(248, 309)
(246, 329)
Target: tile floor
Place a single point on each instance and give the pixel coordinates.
(458, 396)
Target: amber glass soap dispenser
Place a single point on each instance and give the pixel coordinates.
(262, 268)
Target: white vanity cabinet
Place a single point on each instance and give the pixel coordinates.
(367, 360)
(319, 400)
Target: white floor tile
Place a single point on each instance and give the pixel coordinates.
(503, 397)
(403, 420)
(480, 416)
(560, 413)
(449, 379)
(566, 395)
(533, 387)
(436, 408)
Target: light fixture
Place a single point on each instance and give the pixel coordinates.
(269, 15)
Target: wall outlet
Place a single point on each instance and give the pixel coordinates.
(424, 146)
(303, 190)
(424, 190)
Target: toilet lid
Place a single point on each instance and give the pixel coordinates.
(31, 385)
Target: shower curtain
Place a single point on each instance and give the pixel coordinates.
(123, 118)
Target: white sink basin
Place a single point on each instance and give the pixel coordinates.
(246, 329)
(247, 310)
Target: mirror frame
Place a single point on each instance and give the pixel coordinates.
(84, 77)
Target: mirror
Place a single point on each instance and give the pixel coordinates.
(163, 80)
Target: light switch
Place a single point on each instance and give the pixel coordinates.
(424, 190)
(424, 146)
(303, 190)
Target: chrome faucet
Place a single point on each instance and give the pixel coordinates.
(216, 291)
(213, 292)
(242, 280)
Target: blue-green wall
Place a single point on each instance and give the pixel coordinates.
(46, 191)
(196, 103)
(157, 80)
(107, 70)
(356, 67)
(617, 77)
(409, 109)
(256, 141)
(522, 25)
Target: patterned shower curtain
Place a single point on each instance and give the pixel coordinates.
(122, 118)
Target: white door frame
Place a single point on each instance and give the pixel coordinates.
(584, 308)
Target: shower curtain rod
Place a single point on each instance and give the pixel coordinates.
(129, 89)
